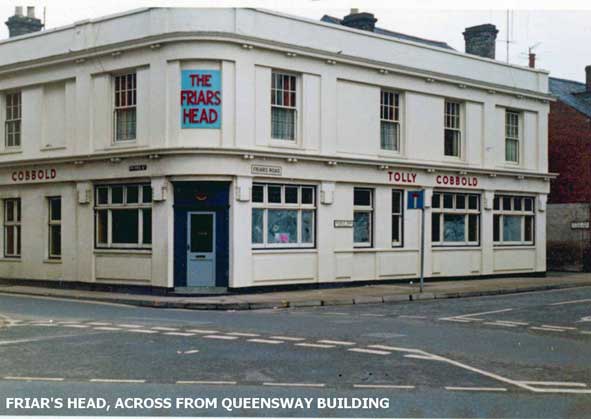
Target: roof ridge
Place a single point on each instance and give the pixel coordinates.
(568, 80)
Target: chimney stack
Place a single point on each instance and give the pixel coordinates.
(481, 39)
(365, 21)
(22, 25)
(588, 78)
(532, 60)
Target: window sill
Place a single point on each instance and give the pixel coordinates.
(52, 148)
(274, 142)
(389, 153)
(10, 259)
(259, 250)
(376, 250)
(443, 247)
(53, 261)
(8, 151)
(124, 145)
(513, 246)
(123, 251)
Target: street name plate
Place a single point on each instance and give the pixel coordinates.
(343, 223)
(579, 225)
(266, 170)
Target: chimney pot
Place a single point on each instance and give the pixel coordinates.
(365, 21)
(532, 60)
(588, 78)
(18, 11)
(30, 11)
(481, 40)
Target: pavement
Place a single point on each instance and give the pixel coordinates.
(519, 355)
(349, 295)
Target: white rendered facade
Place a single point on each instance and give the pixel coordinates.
(68, 138)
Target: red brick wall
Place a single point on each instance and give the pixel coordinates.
(569, 154)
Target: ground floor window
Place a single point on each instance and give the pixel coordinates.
(513, 220)
(12, 227)
(455, 219)
(283, 215)
(123, 216)
(55, 227)
(397, 208)
(363, 217)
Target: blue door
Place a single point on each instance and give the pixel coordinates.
(201, 249)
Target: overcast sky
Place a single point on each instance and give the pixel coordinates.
(563, 37)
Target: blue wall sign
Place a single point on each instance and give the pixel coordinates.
(201, 99)
(416, 199)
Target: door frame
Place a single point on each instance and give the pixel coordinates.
(214, 246)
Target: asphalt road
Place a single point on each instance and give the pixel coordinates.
(524, 355)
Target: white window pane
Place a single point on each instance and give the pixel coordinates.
(454, 228)
(283, 123)
(257, 225)
(307, 226)
(512, 228)
(361, 227)
(282, 226)
(389, 136)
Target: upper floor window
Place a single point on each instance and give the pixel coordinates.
(12, 227)
(512, 136)
(13, 119)
(390, 121)
(123, 216)
(455, 219)
(283, 215)
(363, 217)
(125, 107)
(283, 106)
(513, 220)
(453, 129)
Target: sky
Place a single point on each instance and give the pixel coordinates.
(561, 37)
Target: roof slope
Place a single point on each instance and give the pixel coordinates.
(573, 93)
(397, 35)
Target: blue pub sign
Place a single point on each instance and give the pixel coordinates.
(201, 99)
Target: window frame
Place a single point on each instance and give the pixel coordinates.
(300, 207)
(400, 215)
(369, 209)
(15, 224)
(293, 107)
(141, 206)
(390, 115)
(52, 222)
(448, 117)
(119, 108)
(501, 212)
(10, 120)
(441, 211)
(508, 133)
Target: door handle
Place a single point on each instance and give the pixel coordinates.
(199, 256)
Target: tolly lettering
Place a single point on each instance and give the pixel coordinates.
(402, 177)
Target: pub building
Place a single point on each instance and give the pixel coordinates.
(200, 150)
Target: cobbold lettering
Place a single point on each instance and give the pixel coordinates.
(457, 180)
(33, 175)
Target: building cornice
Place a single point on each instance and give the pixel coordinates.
(272, 45)
(292, 156)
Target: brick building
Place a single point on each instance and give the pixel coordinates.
(570, 194)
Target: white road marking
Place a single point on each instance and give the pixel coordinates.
(416, 356)
(407, 316)
(106, 328)
(290, 338)
(500, 324)
(555, 383)
(76, 326)
(370, 351)
(191, 351)
(372, 315)
(247, 335)
(336, 313)
(399, 349)
(337, 342)
(269, 341)
(130, 326)
(545, 329)
(512, 322)
(586, 332)
(203, 331)
(391, 386)
(451, 319)
(206, 382)
(165, 329)
(34, 378)
(314, 345)
(470, 317)
(295, 384)
(99, 323)
(142, 331)
(69, 322)
(559, 327)
(45, 325)
(115, 380)
(179, 334)
(221, 337)
(476, 388)
(588, 300)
